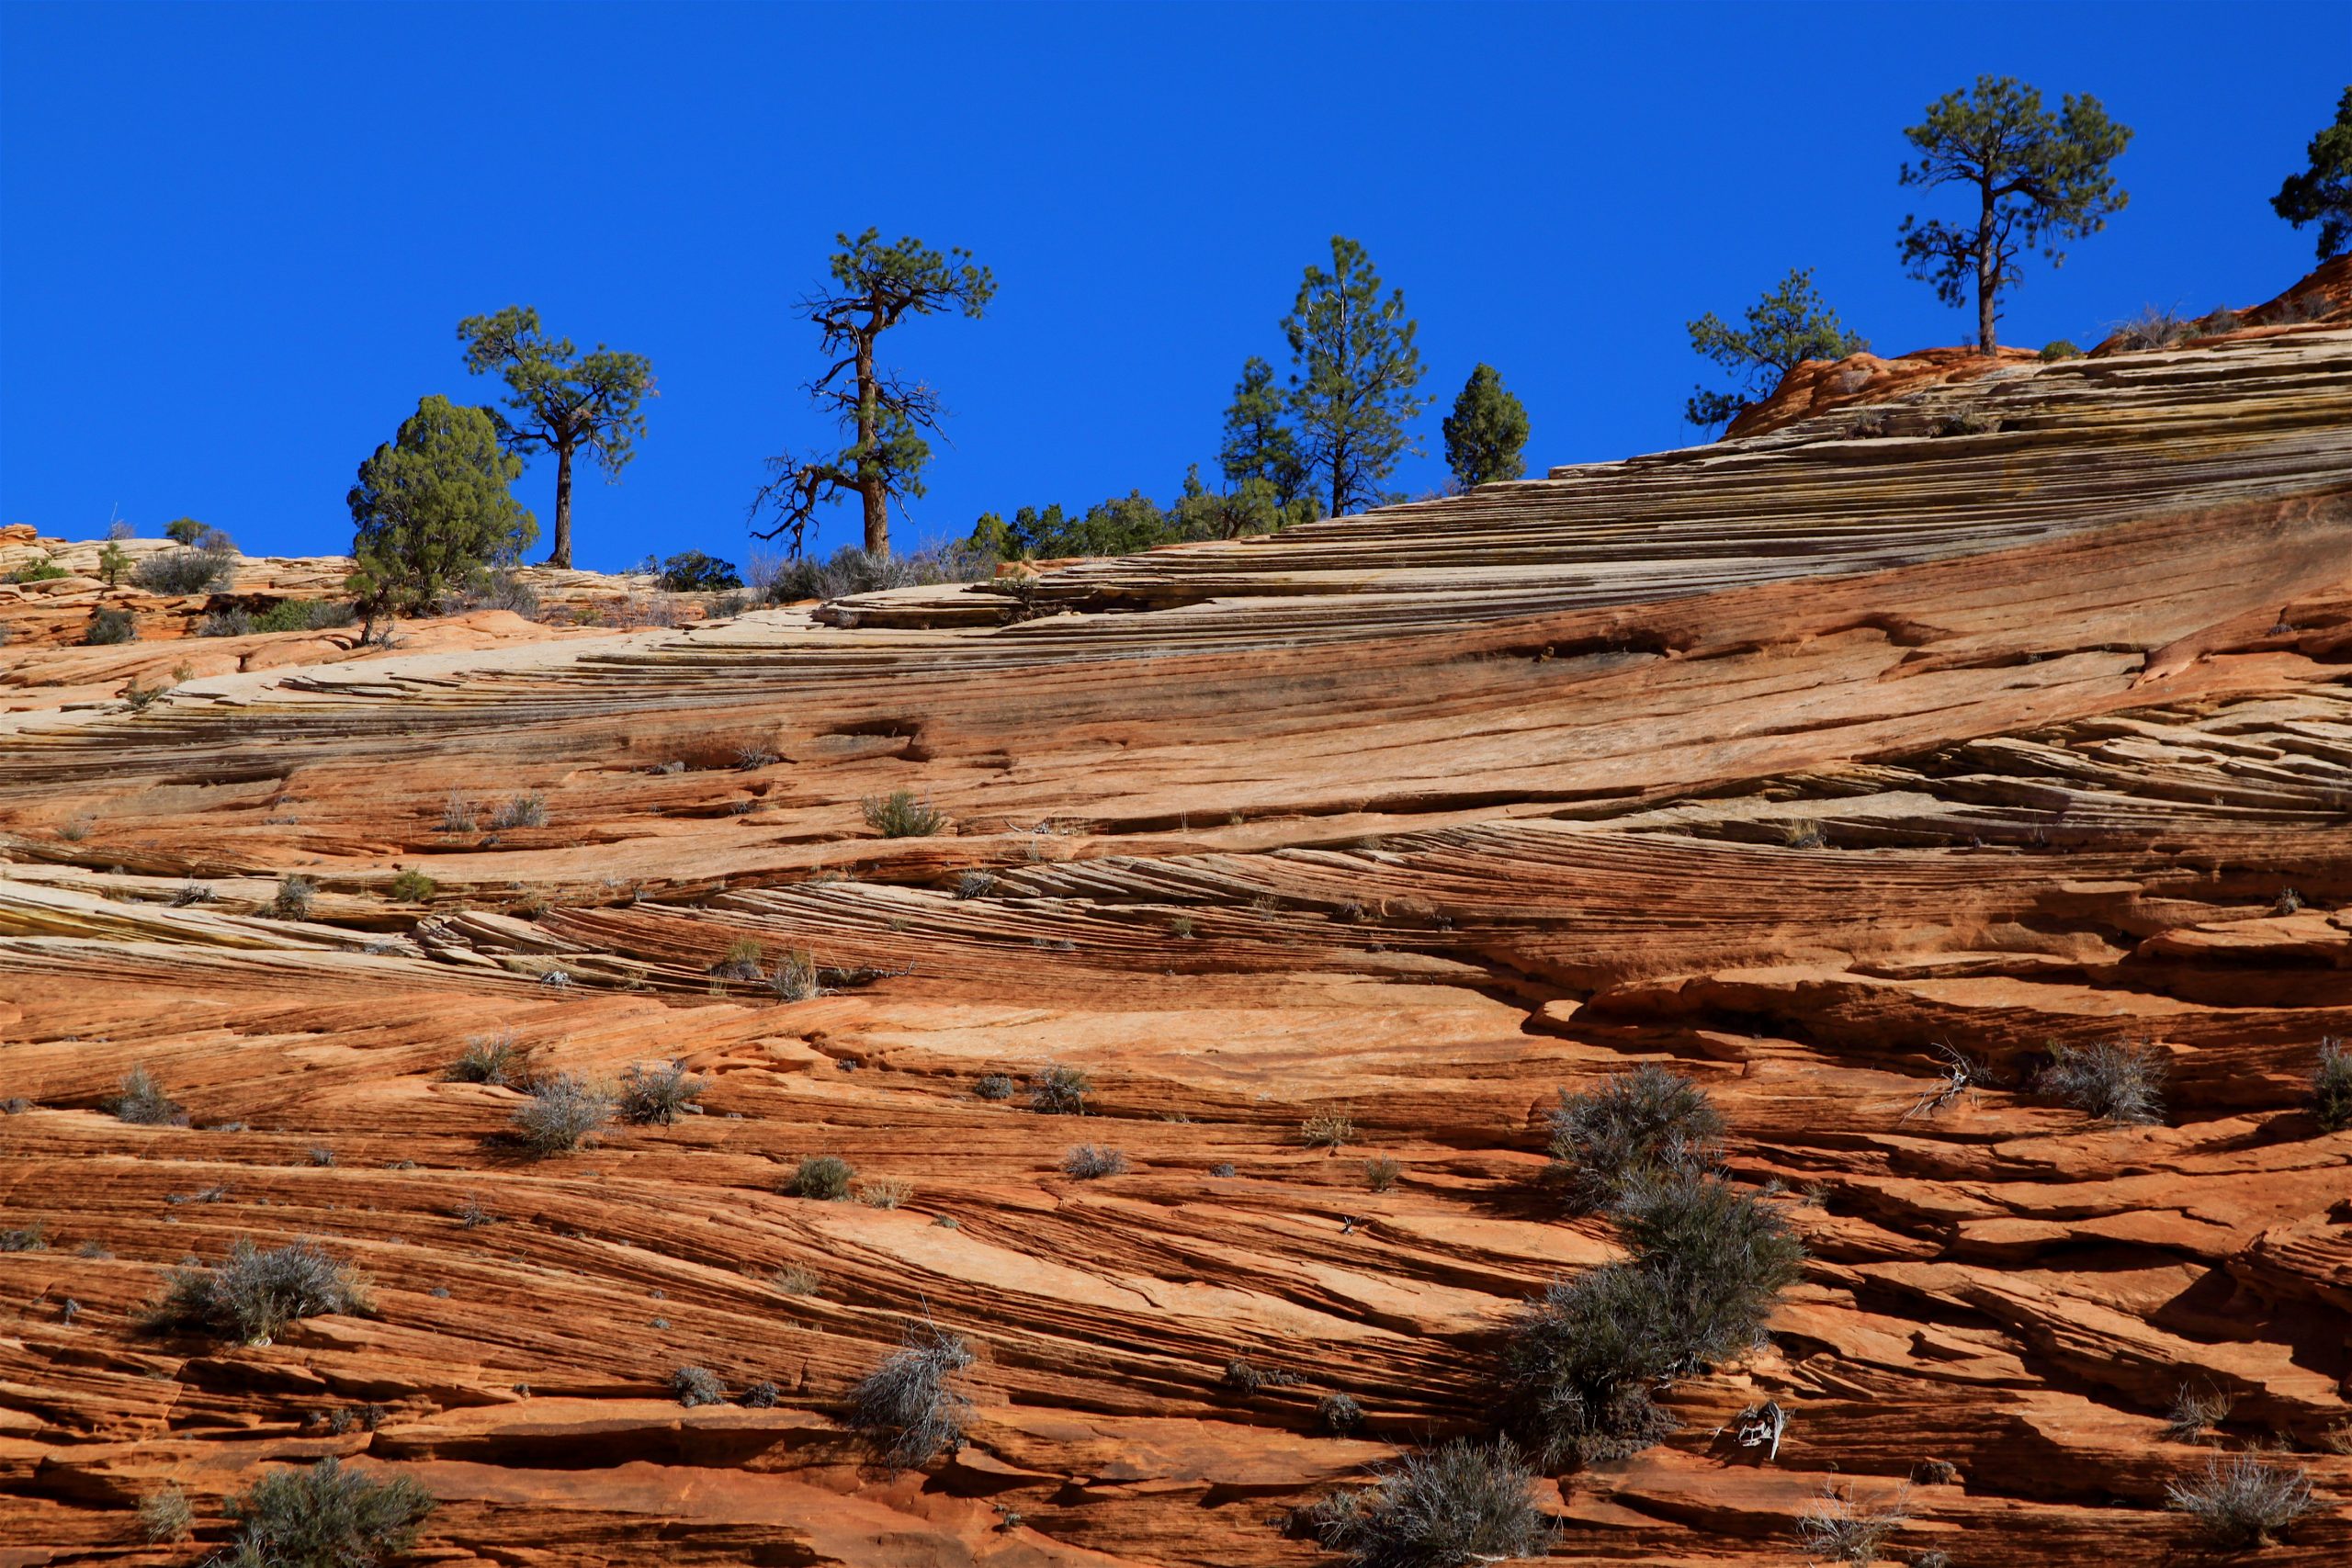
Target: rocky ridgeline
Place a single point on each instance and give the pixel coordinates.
(1191, 1028)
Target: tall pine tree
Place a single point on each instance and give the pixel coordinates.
(1351, 393)
(1260, 452)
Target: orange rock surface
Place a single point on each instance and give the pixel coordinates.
(1781, 760)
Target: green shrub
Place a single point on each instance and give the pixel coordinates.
(1060, 1091)
(41, 570)
(658, 1094)
(899, 815)
(1582, 1361)
(2059, 348)
(108, 627)
(305, 616)
(325, 1516)
(139, 1099)
(564, 1114)
(2332, 1086)
(2241, 1503)
(231, 622)
(691, 572)
(1090, 1162)
(745, 960)
(823, 1177)
(1637, 1125)
(491, 1059)
(2113, 1081)
(1446, 1507)
(255, 1294)
(1723, 1256)
(413, 886)
(184, 530)
(907, 1407)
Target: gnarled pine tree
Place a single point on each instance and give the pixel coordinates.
(875, 286)
(2038, 177)
(1790, 324)
(2323, 193)
(563, 400)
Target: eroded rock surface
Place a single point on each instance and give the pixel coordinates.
(1783, 761)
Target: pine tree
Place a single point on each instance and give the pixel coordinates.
(1486, 431)
(1790, 324)
(1260, 452)
(2323, 193)
(2038, 177)
(563, 400)
(1351, 393)
(432, 507)
(875, 286)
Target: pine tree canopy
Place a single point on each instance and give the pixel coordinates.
(1484, 433)
(1787, 326)
(2323, 193)
(2038, 179)
(432, 507)
(1351, 393)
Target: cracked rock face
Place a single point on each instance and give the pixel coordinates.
(1802, 764)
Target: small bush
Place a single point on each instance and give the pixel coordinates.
(520, 811)
(1636, 1126)
(1840, 1529)
(188, 893)
(1447, 1508)
(110, 626)
(1722, 1256)
(762, 1395)
(563, 1114)
(2196, 1411)
(1244, 1377)
(975, 884)
(1380, 1173)
(1339, 1415)
(164, 1516)
(691, 572)
(2059, 348)
(325, 1516)
(907, 1407)
(491, 1059)
(499, 589)
(413, 886)
(41, 570)
(852, 570)
(321, 1156)
(294, 896)
(658, 1094)
(1581, 1362)
(994, 1086)
(2113, 1081)
(1326, 1130)
(822, 1177)
(796, 1281)
(231, 622)
(795, 979)
(255, 1294)
(1060, 1091)
(745, 960)
(2153, 328)
(899, 815)
(195, 569)
(697, 1385)
(2332, 1086)
(184, 530)
(1090, 1162)
(304, 615)
(26, 1238)
(140, 1100)
(2241, 1503)
(458, 814)
(888, 1192)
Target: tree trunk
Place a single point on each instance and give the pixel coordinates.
(561, 555)
(1989, 279)
(870, 487)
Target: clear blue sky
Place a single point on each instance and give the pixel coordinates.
(238, 237)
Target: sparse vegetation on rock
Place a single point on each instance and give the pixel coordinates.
(255, 1294)
(822, 1177)
(563, 1114)
(1635, 1127)
(2113, 1080)
(658, 1094)
(1089, 1162)
(327, 1515)
(1059, 1091)
(909, 1408)
(899, 815)
(2245, 1501)
(140, 1098)
(1445, 1507)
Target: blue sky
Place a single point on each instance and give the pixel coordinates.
(235, 240)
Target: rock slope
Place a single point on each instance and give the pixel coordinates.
(2013, 714)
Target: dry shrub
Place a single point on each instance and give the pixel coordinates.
(2113, 1081)
(899, 815)
(697, 1385)
(255, 1294)
(1839, 1529)
(325, 1516)
(1090, 1162)
(1060, 1091)
(658, 1094)
(907, 1406)
(822, 1177)
(1445, 1507)
(2241, 1503)
(1634, 1127)
(491, 1059)
(139, 1099)
(564, 1114)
